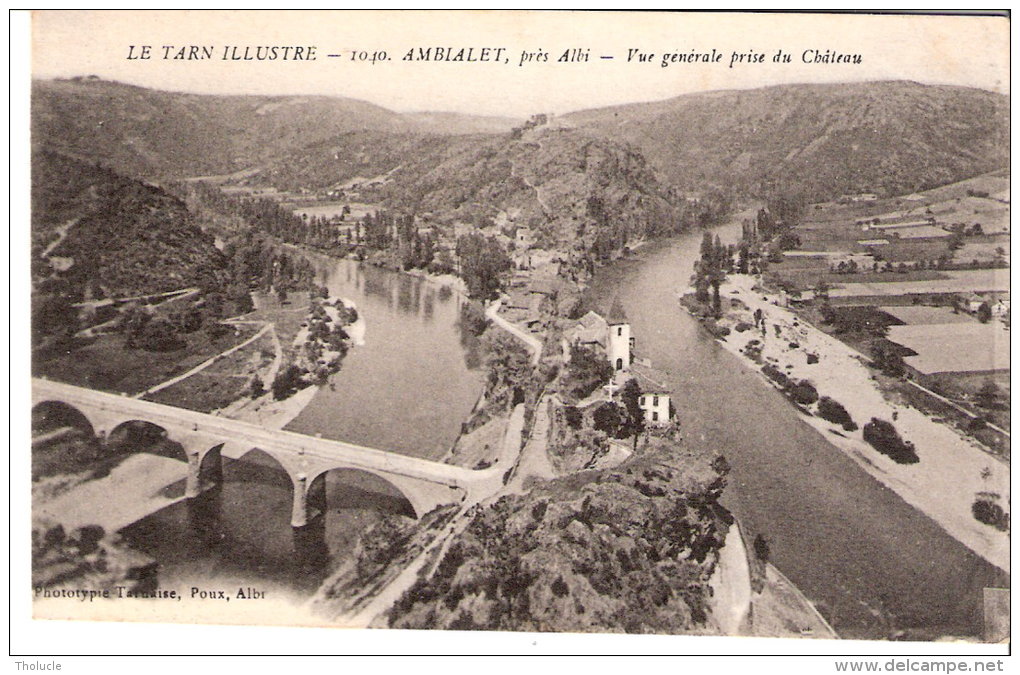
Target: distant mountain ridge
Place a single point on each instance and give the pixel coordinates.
(889, 137)
(821, 141)
(152, 133)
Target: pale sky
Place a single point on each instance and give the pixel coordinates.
(968, 51)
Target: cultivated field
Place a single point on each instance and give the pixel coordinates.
(961, 281)
(954, 347)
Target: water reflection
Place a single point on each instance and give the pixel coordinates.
(409, 387)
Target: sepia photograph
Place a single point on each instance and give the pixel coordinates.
(680, 324)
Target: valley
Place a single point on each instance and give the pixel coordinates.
(510, 298)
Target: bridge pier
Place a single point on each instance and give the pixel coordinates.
(309, 499)
(299, 507)
(205, 469)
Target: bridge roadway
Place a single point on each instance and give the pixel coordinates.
(306, 459)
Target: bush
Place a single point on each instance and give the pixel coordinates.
(573, 417)
(256, 388)
(473, 319)
(716, 330)
(587, 371)
(288, 382)
(976, 424)
(803, 393)
(988, 512)
(882, 436)
(608, 418)
(776, 375)
(742, 326)
(761, 548)
(832, 411)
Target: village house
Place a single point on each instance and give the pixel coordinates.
(655, 404)
(523, 237)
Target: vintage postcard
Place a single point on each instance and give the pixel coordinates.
(664, 323)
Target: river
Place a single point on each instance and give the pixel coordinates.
(406, 390)
(873, 565)
(416, 378)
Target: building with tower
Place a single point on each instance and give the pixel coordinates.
(619, 345)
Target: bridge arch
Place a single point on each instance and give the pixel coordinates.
(265, 467)
(140, 436)
(386, 494)
(51, 415)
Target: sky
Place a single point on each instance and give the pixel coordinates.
(968, 51)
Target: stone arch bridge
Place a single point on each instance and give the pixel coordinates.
(306, 459)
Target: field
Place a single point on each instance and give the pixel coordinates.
(106, 364)
(926, 314)
(330, 209)
(962, 281)
(220, 384)
(964, 387)
(286, 317)
(835, 232)
(954, 347)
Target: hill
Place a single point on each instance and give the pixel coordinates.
(568, 184)
(627, 549)
(152, 133)
(822, 140)
(94, 230)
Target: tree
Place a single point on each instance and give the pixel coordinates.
(634, 423)
(887, 358)
(833, 411)
(587, 371)
(882, 436)
(484, 265)
(608, 419)
(761, 548)
(984, 312)
(287, 382)
(256, 388)
(822, 289)
(988, 395)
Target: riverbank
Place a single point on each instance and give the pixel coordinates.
(265, 410)
(952, 471)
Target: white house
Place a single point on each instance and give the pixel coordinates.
(656, 407)
(523, 238)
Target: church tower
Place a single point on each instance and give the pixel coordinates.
(618, 346)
